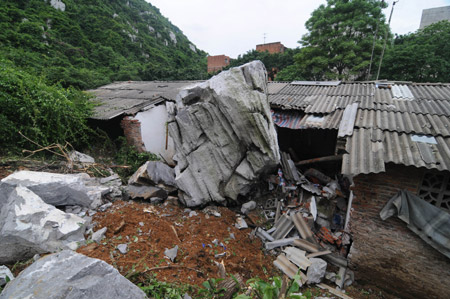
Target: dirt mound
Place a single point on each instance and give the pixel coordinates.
(148, 230)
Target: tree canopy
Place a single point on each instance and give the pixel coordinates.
(423, 56)
(340, 39)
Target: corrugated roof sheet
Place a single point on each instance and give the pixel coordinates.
(129, 97)
(275, 87)
(403, 122)
(348, 120)
(367, 156)
(401, 92)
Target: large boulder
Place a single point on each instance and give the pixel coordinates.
(224, 135)
(60, 189)
(70, 275)
(29, 226)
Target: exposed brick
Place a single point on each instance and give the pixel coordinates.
(217, 62)
(132, 131)
(387, 253)
(272, 48)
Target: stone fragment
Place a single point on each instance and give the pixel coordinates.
(145, 192)
(99, 235)
(71, 275)
(224, 135)
(248, 206)
(316, 271)
(78, 157)
(104, 207)
(172, 253)
(29, 226)
(5, 275)
(241, 223)
(123, 248)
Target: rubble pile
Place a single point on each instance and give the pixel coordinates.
(308, 225)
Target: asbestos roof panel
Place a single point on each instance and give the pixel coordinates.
(403, 122)
(348, 120)
(416, 106)
(366, 156)
(129, 97)
(288, 101)
(328, 121)
(317, 83)
(275, 87)
(431, 92)
(328, 104)
(401, 92)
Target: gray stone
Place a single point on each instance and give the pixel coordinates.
(154, 173)
(29, 226)
(78, 157)
(71, 275)
(156, 200)
(123, 248)
(145, 192)
(240, 223)
(99, 235)
(192, 214)
(224, 135)
(248, 206)
(104, 207)
(316, 271)
(59, 189)
(171, 253)
(5, 275)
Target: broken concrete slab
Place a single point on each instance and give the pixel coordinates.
(29, 226)
(5, 275)
(145, 192)
(316, 271)
(154, 173)
(68, 274)
(224, 135)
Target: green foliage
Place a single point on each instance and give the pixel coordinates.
(92, 43)
(128, 155)
(273, 62)
(340, 39)
(423, 56)
(210, 289)
(272, 289)
(163, 290)
(44, 113)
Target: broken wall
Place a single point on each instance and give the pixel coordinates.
(132, 131)
(386, 253)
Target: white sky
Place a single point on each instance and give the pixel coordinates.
(234, 27)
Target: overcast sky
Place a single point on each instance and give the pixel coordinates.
(234, 27)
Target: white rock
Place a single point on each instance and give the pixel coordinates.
(248, 206)
(28, 226)
(5, 275)
(316, 271)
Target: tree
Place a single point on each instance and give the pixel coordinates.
(340, 39)
(423, 56)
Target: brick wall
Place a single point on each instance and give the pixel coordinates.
(218, 62)
(132, 131)
(386, 253)
(271, 48)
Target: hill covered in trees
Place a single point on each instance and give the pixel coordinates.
(87, 43)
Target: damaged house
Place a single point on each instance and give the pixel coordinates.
(137, 110)
(387, 137)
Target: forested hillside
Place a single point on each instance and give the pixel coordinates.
(87, 43)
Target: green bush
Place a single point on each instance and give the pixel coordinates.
(44, 113)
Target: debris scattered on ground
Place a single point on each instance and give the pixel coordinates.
(5, 275)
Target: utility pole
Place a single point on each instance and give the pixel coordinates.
(385, 39)
(373, 45)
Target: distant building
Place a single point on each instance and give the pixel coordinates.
(434, 15)
(272, 48)
(217, 62)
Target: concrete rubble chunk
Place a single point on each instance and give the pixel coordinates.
(316, 271)
(71, 275)
(61, 189)
(224, 135)
(172, 253)
(29, 226)
(145, 192)
(248, 206)
(99, 235)
(241, 223)
(5, 275)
